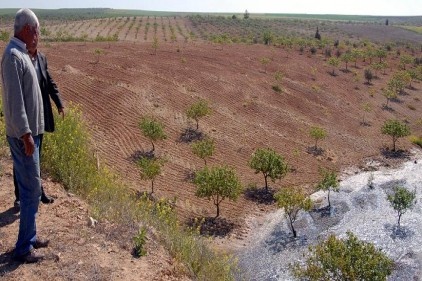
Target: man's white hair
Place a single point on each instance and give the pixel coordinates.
(23, 17)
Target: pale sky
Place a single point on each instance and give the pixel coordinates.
(345, 7)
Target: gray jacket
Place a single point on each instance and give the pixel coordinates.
(22, 99)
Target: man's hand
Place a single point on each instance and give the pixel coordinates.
(28, 142)
(61, 112)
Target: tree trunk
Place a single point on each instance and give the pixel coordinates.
(292, 227)
(266, 183)
(152, 187)
(329, 203)
(394, 143)
(217, 204)
(153, 147)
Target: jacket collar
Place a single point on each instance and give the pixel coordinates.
(19, 43)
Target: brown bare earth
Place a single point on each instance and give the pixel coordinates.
(77, 251)
(129, 82)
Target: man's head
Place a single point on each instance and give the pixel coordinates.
(27, 28)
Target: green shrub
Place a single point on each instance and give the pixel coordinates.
(3, 142)
(344, 259)
(276, 88)
(416, 140)
(139, 243)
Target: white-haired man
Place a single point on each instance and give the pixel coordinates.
(23, 111)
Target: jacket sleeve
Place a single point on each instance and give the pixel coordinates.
(14, 104)
(52, 88)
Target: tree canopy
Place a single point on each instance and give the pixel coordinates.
(328, 182)
(152, 129)
(395, 129)
(344, 259)
(198, 110)
(401, 200)
(149, 169)
(203, 148)
(292, 201)
(217, 183)
(269, 163)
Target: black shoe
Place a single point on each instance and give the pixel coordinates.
(30, 257)
(40, 243)
(46, 200)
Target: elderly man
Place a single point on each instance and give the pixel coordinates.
(48, 89)
(23, 111)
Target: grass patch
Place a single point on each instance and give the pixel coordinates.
(417, 29)
(277, 88)
(416, 140)
(411, 107)
(68, 157)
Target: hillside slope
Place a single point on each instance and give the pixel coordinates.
(76, 251)
(128, 82)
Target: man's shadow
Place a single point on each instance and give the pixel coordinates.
(7, 264)
(9, 216)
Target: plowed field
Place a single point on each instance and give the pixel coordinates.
(129, 82)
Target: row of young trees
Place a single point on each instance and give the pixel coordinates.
(114, 29)
(264, 160)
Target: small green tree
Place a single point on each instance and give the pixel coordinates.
(368, 75)
(334, 62)
(150, 168)
(269, 163)
(268, 37)
(328, 182)
(203, 148)
(413, 75)
(396, 83)
(317, 133)
(217, 183)
(246, 15)
(264, 62)
(198, 110)
(366, 109)
(139, 242)
(278, 76)
(292, 201)
(401, 200)
(377, 66)
(405, 60)
(381, 53)
(344, 259)
(346, 58)
(356, 54)
(369, 53)
(98, 53)
(395, 129)
(389, 95)
(155, 44)
(152, 129)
